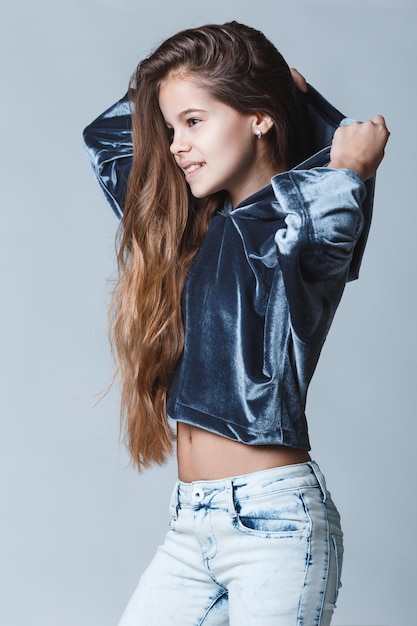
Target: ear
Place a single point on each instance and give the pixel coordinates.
(262, 122)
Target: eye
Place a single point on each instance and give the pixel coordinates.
(192, 121)
(170, 134)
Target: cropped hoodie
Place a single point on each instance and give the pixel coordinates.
(262, 291)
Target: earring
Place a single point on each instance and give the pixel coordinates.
(258, 133)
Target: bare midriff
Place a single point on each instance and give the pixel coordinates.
(203, 455)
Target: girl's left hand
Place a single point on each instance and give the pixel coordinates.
(360, 146)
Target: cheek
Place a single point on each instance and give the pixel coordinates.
(240, 151)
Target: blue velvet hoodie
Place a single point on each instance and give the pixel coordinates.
(262, 291)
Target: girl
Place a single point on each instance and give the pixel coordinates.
(240, 227)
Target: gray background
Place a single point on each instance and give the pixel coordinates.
(77, 525)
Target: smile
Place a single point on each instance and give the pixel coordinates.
(189, 169)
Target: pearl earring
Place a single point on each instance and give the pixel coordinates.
(258, 133)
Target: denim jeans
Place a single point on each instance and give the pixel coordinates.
(255, 550)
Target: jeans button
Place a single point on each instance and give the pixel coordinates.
(198, 495)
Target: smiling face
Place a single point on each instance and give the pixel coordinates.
(215, 145)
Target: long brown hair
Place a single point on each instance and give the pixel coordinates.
(163, 225)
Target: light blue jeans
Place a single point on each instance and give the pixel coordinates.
(256, 550)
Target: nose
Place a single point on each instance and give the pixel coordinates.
(179, 143)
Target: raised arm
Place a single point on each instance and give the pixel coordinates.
(324, 221)
(108, 141)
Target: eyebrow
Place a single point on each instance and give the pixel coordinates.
(192, 110)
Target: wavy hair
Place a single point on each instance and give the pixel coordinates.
(163, 225)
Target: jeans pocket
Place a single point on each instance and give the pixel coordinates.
(336, 549)
(279, 514)
(335, 569)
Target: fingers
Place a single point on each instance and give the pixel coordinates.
(299, 80)
(379, 119)
(379, 122)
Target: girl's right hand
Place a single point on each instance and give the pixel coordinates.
(299, 80)
(360, 146)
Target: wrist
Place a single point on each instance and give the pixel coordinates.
(345, 165)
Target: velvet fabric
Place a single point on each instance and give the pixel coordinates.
(263, 289)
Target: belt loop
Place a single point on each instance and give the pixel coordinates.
(320, 478)
(174, 502)
(230, 499)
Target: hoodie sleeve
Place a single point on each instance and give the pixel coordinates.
(324, 220)
(108, 142)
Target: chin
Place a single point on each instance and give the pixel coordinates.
(200, 195)
(204, 193)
